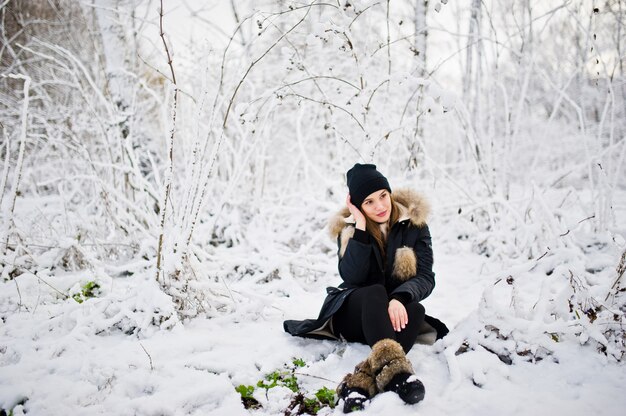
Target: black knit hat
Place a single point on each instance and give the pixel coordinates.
(364, 180)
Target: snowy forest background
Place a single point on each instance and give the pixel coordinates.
(167, 177)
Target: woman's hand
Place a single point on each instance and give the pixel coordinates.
(398, 315)
(356, 214)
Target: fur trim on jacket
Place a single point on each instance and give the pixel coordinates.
(413, 206)
(405, 263)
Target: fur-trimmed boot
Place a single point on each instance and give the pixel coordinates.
(394, 372)
(357, 388)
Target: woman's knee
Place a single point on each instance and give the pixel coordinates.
(415, 310)
(370, 299)
(373, 292)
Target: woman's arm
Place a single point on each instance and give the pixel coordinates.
(419, 286)
(354, 261)
(354, 249)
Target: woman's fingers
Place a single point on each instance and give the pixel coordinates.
(401, 320)
(398, 315)
(393, 318)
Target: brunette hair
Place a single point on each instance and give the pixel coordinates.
(373, 228)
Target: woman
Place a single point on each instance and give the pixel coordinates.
(385, 261)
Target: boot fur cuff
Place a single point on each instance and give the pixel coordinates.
(383, 352)
(388, 372)
(387, 360)
(362, 378)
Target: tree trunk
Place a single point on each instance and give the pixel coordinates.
(420, 42)
(115, 50)
(421, 35)
(471, 89)
(111, 18)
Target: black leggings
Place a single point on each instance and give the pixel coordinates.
(364, 318)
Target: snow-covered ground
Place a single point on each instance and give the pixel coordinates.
(59, 357)
(522, 154)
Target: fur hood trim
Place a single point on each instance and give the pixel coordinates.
(413, 205)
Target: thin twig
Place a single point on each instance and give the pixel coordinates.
(7, 161)
(329, 104)
(149, 357)
(621, 268)
(388, 42)
(345, 140)
(318, 377)
(195, 190)
(367, 106)
(52, 287)
(10, 224)
(245, 75)
(585, 219)
(19, 294)
(568, 231)
(168, 184)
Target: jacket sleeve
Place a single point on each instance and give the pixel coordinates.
(418, 287)
(355, 263)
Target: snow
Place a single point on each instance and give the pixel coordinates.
(58, 355)
(528, 220)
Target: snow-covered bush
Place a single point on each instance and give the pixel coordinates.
(266, 124)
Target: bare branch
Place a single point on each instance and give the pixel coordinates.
(168, 179)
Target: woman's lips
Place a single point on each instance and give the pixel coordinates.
(382, 214)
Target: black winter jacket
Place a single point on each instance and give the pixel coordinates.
(407, 274)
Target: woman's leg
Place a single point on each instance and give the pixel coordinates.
(408, 335)
(364, 317)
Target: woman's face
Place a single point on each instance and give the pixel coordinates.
(377, 206)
